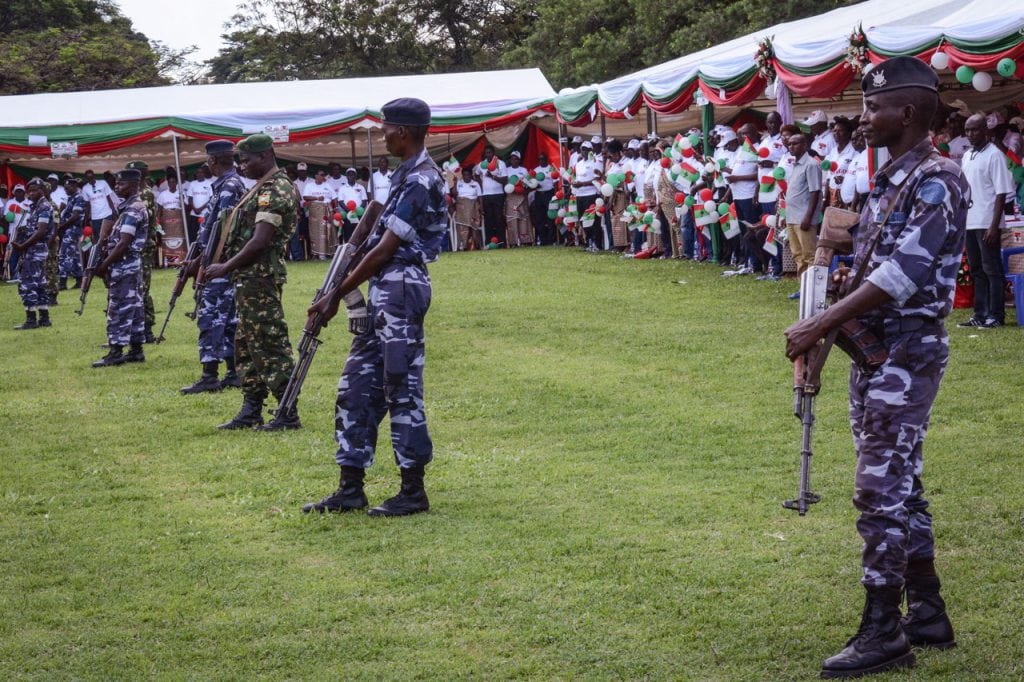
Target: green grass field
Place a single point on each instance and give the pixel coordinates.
(612, 442)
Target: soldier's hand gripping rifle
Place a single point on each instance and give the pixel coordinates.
(211, 254)
(346, 257)
(179, 285)
(91, 263)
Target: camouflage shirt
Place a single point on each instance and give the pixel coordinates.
(271, 201)
(918, 254)
(131, 219)
(417, 211)
(76, 204)
(41, 212)
(146, 194)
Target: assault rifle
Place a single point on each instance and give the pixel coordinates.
(93, 261)
(346, 257)
(179, 285)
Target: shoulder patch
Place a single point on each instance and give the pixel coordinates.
(933, 192)
(264, 198)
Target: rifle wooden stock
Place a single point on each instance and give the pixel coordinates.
(346, 257)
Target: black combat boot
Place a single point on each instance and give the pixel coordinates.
(30, 321)
(63, 283)
(348, 497)
(282, 421)
(207, 382)
(926, 622)
(411, 498)
(148, 337)
(230, 379)
(44, 318)
(880, 643)
(135, 353)
(249, 416)
(113, 357)
(77, 284)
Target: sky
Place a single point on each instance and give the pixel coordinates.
(181, 23)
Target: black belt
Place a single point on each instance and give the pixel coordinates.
(893, 326)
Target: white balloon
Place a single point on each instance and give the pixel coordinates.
(607, 189)
(710, 206)
(509, 189)
(599, 202)
(676, 169)
(685, 143)
(561, 213)
(940, 60)
(982, 81)
(709, 167)
(770, 221)
(656, 224)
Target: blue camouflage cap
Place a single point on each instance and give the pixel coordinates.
(406, 111)
(898, 73)
(219, 146)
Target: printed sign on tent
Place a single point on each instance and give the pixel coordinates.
(278, 133)
(64, 150)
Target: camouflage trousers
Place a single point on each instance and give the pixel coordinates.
(70, 258)
(32, 283)
(125, 321)
(217, 321)
(889, 413)
(148, 257)
(384, 374)
(51, 269)
(263, 354)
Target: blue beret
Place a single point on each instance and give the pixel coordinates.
(406, 111)
(219, 146)
(898, 73)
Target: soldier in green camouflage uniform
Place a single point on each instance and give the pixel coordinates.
(149, 253)
(258, 233)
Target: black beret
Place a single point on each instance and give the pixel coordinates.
(130, 175)
(898, 73)
(36, 181)
(219, 146)
(406, 111)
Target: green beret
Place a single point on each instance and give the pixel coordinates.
(137, 165)
(130, 175)
(254, 144)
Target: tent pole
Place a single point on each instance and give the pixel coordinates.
(654, 118)
(181, 197)
(352, 145)
(369, 153)
(604, 172)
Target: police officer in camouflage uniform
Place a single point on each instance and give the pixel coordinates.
(72, 222)
(52, 267)
(31, 240)
(905, 296)
(216, 317)
(148, 253)
(254, 257)
(384, 371)
(122, 270)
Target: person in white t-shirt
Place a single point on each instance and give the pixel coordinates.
(58, 195)
(823, 142)
(198, 195)
(19, 204)
(382, 181)
(493, 184)
(468, 211)
(588, 173)
(545, 174)
(992, 185)
(318, 189)
(348, 199)
(841, 156)
(167, 199)
(334, 178)
(101, 200)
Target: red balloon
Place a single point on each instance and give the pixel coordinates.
(337, 216)
(3, 238)
(835, 166)
(680, 197)
(87, 231)
(782, 185)
(559, 195)
(665, 162)
(558, 220)
(764, 152)
(705, 194)
(199, 219)
(688, 152)
(600, 209)
(629, 176)
(642, 208)
(351, 204)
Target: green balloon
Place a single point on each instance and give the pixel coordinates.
(694, 139)
(513, 179)
(540, 177)
(1006, 67)
(779, 173)
(723, 209)
(689, 201)
(360, 210)
(1018, 174)
(964, 74)
(648, 218)
(9, 216)
(552, 214)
